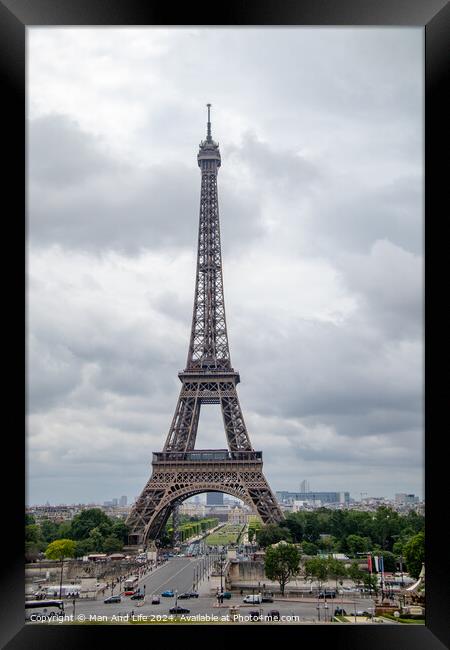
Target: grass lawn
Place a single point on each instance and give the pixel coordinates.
(229, 534)
(408, 621)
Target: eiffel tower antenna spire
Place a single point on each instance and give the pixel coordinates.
(180, 470)
(208, 127)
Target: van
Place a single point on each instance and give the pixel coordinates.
(253, 599)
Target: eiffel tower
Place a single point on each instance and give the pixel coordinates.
(180, 470)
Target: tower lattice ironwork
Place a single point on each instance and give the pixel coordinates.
(180, 470)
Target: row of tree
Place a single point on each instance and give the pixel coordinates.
(91, 531)
(284, 561)
(346, 531)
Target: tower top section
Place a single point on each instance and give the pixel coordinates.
(209, 155)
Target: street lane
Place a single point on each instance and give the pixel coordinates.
(305, 611)
(177, 574)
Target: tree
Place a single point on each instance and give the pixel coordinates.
(50, 531)
(120, 530)
(83, 547)
(414, 553)
(370, 581)
(355, 573)
(59, 550)
(96, 538)
(271, 534)
(309, 548)
(282, 563)
(318, 569)
(33, 542)
(386, 526)
(88, 519)
(64, 530)
(337, 570)
(112, 544)
(389, 561)
(357, 544)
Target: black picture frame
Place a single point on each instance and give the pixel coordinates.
(434, 17)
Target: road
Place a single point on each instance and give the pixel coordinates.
(178, 574)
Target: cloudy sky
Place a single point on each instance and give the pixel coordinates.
(321, 204)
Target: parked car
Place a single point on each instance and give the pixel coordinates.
(129, 592)
(255, 615)
(253, 599)
(168, 593)
(183, 596)
(155, 600)
(113, 599)
(327, 594)
(179, 610)
(273, 614)
(193, 594)
(226, 595)
(137, 596)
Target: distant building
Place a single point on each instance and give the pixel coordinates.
(406, 499)
(123, 501)
(316, 498)
(304, 486)
(238, 515)
(214, 499)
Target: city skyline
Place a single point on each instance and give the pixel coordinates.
(320, 196)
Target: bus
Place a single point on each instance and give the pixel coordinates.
(130, 583)
(42, 610)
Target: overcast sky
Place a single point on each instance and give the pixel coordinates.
(321, 207)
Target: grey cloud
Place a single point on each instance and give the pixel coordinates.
(81, 197)
(60, 154)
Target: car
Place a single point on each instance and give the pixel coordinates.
(193, 594)
(184, 596)
(129, 592)
(255, 615)
(168, 593)
(266, 598)
(327, 594)
(156, 600)
(179, 610)
(137, 596)
(254, 599)
(113, 599)
(273, 615)
(226, 595)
